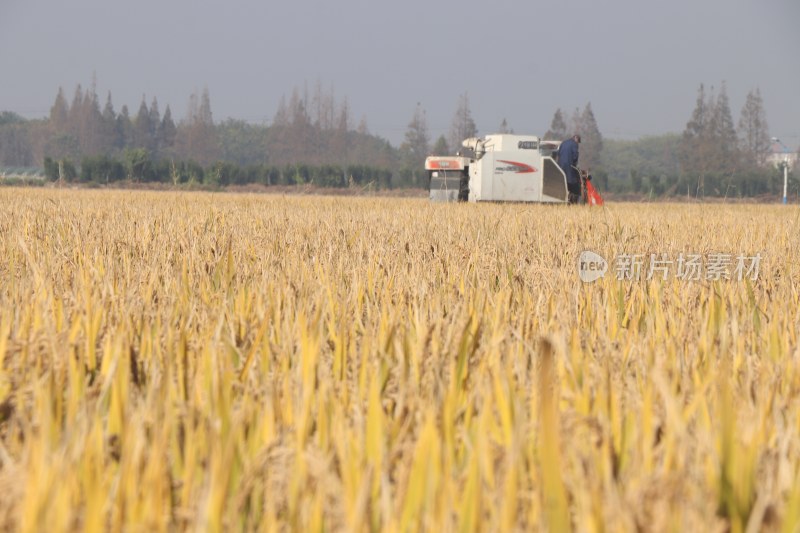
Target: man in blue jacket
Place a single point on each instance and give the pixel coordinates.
(568, 161)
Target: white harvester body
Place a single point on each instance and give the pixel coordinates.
(501, 168)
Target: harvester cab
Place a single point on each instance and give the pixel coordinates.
(501, 168)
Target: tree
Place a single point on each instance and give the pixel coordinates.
(240, 142)
(697, 141)
(142, 128)
(558, 127)
(136, 161)
(281, 117)
(74, 116)
(84, 121)
(50, 169)
(59, 113)
(276, 143)
(323, 105)
(167, 130)
(710, 151)
(90, 124)
(109, 114)
(9, 117)
(109, 126)
(62, 146)
(87, 131)
(204, 112)
(67, 170)
(463, 127)
(300, 130)
(503, 127)
(124, 128)
(655, 184)
(155, 123)
(648, 155)
(415, 148)
(724, 135)
(362, 128)
(636, 180)
(15, 145)
(339, 143)
(591, 139)
(576, 124)
(754, 131)
(440, 146)
(197, 138)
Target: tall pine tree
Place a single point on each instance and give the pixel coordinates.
(754, 130)
(124, 128)
(339, 143)
(414, 149)
(576, 123)
(142, 128)
(76, 112)
(90, 127)
(558, 127)
(109, 126)
(155, 130)
(710, 146)
(463, 126)
(167, 132)
(591, 139)
(696, 144)
(59, 113)
(440, 146)
(726, 154)
(197, 137)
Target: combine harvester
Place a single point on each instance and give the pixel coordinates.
(504, 168)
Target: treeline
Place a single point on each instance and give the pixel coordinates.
(713, 156)
(83, 128)
(312, 138)
(310, 129)
(656, 165)
(138, 167)
(718, 158)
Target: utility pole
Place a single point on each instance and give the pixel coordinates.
(785, 165)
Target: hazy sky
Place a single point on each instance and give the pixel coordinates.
(639, 62)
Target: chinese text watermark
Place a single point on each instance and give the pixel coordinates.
(683, 266)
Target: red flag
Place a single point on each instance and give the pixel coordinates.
(592, 196)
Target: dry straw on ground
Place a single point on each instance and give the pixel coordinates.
(234, 362)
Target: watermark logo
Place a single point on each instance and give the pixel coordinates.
(591, 266)
(684, 267)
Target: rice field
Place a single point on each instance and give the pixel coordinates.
(232, 362)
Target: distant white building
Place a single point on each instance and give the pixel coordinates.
(778, 155)
(21, 173)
